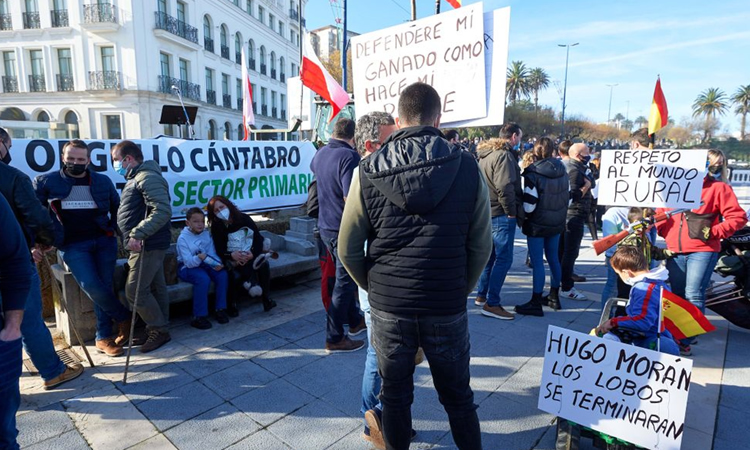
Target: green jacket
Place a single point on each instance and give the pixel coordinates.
(145, 209)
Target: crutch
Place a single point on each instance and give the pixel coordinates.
(64, 304)
(135, 305)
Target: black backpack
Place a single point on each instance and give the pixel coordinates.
(312, 200)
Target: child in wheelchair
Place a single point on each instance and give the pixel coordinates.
(640, 324)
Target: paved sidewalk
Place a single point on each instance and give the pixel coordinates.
(264, 382)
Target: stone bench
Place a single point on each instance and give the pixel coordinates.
(298, 254)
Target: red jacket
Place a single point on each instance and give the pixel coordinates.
(718, 198)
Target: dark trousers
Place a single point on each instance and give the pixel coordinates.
(344, 307)
(262, 277)
(570, 247)
(10, 396)
(445, 340)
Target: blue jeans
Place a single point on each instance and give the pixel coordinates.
(493, 277)
(548, 246)
(445, 341)
(371, 378)
(92, 264)
(200, 277)
(37, 340)
(10, 395)
(689, 275)
(611, 285)
(344, 306)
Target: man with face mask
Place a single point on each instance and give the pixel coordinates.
(143, 218)
(83, 205)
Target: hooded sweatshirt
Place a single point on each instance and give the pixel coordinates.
(644, 302)
(423, 208)
(190, 245)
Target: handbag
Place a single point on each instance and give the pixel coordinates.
(241, 240)
(699, 225)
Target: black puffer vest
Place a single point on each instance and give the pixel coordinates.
(419, 192)
(553, 192)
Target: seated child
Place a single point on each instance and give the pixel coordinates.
(199, 265)
(642, 310)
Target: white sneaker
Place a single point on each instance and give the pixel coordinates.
(573, 294)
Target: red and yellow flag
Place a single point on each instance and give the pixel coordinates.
(455, 3)
(658, 117)
(682, 318)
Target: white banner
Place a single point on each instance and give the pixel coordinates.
(658, 178)
(255, 175)
(446, 51)
(628, 392)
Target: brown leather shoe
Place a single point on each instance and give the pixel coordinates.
(376, 429)
(496, 312)
(108, 347)
(70, 373)
(353, 331)
(343, 346)
(123, 333)
(156, 338)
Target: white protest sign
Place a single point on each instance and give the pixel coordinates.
(445, 50)
(255, 175)
(496, 33)
(658, 178)
(628, 392)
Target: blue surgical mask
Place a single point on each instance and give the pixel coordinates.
(517, 147)
(117, 165)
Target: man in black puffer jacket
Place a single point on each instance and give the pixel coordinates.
(143, 219)
(423, 209)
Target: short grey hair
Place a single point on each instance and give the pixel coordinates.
(368, 128)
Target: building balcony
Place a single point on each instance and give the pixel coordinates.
(255, 107)
(273, 111)
(282, 78)
(238, 58)
(225, 51)
(176, 27)
(273, 73)
(104, 80)
(211, 97)
(6, 22)
(227, 101)
(100, 17)
(187, 89)
(37, 83)
(59, 18)
(293, 14)
(65, 83)
(264, 110)
(252, 64)
(31, 21)
(262, 69)
(239, 104)
(283, 114)
(10, 84)
(208, 44)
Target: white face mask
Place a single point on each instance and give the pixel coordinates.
(223, 214)
(629, 281)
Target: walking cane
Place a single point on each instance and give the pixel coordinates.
(135, 305)
(64, 304)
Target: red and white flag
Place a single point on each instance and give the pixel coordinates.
(315, 76)
(248, 118)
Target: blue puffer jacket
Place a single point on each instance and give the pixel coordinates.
(51, 188)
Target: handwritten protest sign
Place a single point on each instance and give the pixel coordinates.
(671, 178)
(256, 176)
(625, 391)
(496, 32)
(446, 51)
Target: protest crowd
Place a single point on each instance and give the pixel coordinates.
(411, 220)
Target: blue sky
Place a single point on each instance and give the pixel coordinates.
(692, 44)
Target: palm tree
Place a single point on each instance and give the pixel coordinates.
(741, 98)
(709, 103)
(538, 81)
(640, 122)
(518, 81)
(618, 119)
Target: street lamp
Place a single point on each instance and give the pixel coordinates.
(609, 111)
(565, 84)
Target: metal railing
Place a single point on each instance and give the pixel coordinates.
(264, 110)
(239, 104)
(263, 69)
(282, 77)
(37, 83)
(31, 20)
(252, 64)
(293, 14)
(65, 83)
(10, 84)
(208, 44)
(273, 73)
(59, 18)
(211, 97)
(283, 114)
(227, 101)
(6, 22)
(238, 58)
(225, 51)
(273, 111)
(177, 27)
(188, 89)
(255, 107)
(99, 13)
(104, 80)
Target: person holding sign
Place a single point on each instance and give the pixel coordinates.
(695, 237)
(642, 311)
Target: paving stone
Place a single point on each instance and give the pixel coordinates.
(206, 363)
(238, 379)
(256, 344)
(353, 440)
(285, 359)
(47, 423)
(347, 397)
(155, 383)
(183, 403)
(107, 419)
(262, 440)
(216, 428)
(322, 376)
(71, 440)
(295, 329)
(277, 399)
(301, 429)
(430, 421)
(730, 422)
(36, 397)
(158, 442)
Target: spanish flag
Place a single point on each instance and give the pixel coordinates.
(455, 3)
(682, 318)
(658, 117)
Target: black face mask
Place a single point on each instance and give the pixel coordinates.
(75, 169)
(6, 159)
(713, 170)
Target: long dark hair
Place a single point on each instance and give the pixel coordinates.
(544, 149)
(234, 212)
